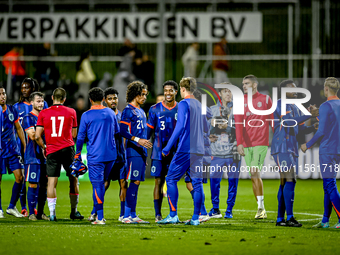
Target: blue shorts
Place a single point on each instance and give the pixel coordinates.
(159, 168)
(183, 163)
(33, 172)
(224, 165)
(99, 171)
(118, 171)
(329, 165)
(286, 161)
(136, 168)
(11, 163)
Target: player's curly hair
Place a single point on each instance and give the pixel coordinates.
(134, 89)
(188, 83)
(333, 84)
(110, 91)
(171, 83)
(96, 94)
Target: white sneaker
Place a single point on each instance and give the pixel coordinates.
(121, 218)
(2, 214)
(140, 221)
(92, 217)
(14, 211)
(98, 222)
(204, 218)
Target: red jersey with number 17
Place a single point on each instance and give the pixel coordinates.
(57, 121)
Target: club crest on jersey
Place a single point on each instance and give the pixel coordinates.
(11, 116)
(135, 173)
(33, 175)
(153, 169)
(245, 105)
(259, 104)
(176, 116)
(284, 163)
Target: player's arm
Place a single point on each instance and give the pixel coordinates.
(151, 123)
(75, 125)
(239, 133)
(28, 127)
(38, 137)
(125, 131)
(20, 133)
(183, 111)
(320, 133)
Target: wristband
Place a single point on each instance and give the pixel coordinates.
(136, 139)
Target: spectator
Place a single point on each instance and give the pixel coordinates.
(144, 70)
(125, 49)
(80, 108)
(106, 81)
(46, 72)
(85, 75)
(220, 67)
(15, 69)
(189, 60)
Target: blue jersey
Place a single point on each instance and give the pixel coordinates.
(328, 133)
(23, 108)
(8, 138)
(119, 142)
(98, 127)
(162, 120)
(133, 123)
(285, 138)
(190, 128)
(33, 153)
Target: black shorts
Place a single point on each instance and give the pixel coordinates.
(56, 159)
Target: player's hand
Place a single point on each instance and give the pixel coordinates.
(240, 150)
(316, 125)
(304, 147)
(145, 143)
(213, 138)
(313, 110)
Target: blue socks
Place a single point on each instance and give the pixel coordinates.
(122, 208)
(98, 198)
(281, 202)
(22, 196)
(288, 195)
(203, 210)
(327, 207)
(131, 200)
(172, 196)
(31, 198)
(330, 187)
(15, 195)
(215, 192)
(198, 187)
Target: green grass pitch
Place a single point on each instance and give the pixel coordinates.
(240, 235)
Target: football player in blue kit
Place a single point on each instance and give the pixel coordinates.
(328, 135)
(11, 156)
(35, 162)
(189, 130)
(118, 171)
(98, 127)
(23, 107)
(162, 121)
(285, 152)
(133, 128)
